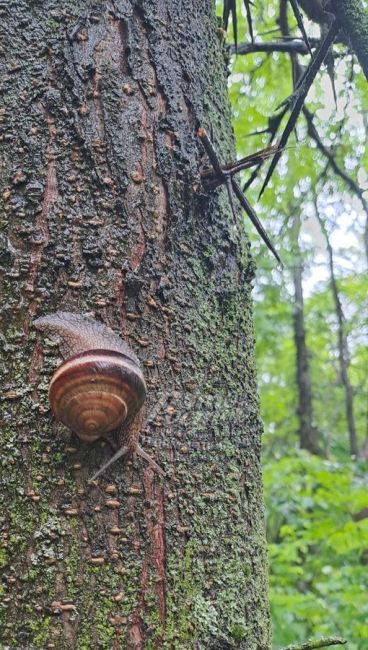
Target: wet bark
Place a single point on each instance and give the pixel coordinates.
(307, 432)
(102, 211)
(343, 348)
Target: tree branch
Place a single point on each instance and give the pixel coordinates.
(316, 643)
(293, 45)
(353, 186)
(299, 95)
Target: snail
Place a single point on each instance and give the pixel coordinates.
(99, 387)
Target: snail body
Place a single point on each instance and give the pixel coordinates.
(99, 387)
(75, 333)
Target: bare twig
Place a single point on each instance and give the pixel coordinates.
(316, 643)
(353, 186)
(296, 45)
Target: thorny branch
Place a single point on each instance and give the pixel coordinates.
(297, 99)
(223, 175)
(296, 104)
(213, 179)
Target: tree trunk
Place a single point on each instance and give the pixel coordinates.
(354, 19)
(307, 432)
(103, 212)
(342, 347)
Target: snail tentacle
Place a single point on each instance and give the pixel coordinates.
(122, 452)
(143, 454)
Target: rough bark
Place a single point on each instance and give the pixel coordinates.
(343, 348)
(102, 211)
(354, 19)
(307, 432)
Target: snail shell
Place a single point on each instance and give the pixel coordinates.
(100, 386)
(96, 391)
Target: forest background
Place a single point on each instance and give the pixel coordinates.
(311, 319)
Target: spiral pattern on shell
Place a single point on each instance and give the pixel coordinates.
(96, 391)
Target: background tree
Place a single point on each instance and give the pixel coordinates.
(342, 345)
(307, 431)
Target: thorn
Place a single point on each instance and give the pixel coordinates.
(299, 20)
(247, 4)
(211, 153)
(122, 452)
(230, 195)
(254, 219)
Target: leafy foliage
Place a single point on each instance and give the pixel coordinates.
(317, 507)
(318, 548)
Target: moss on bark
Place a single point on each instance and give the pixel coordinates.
(354, 20)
